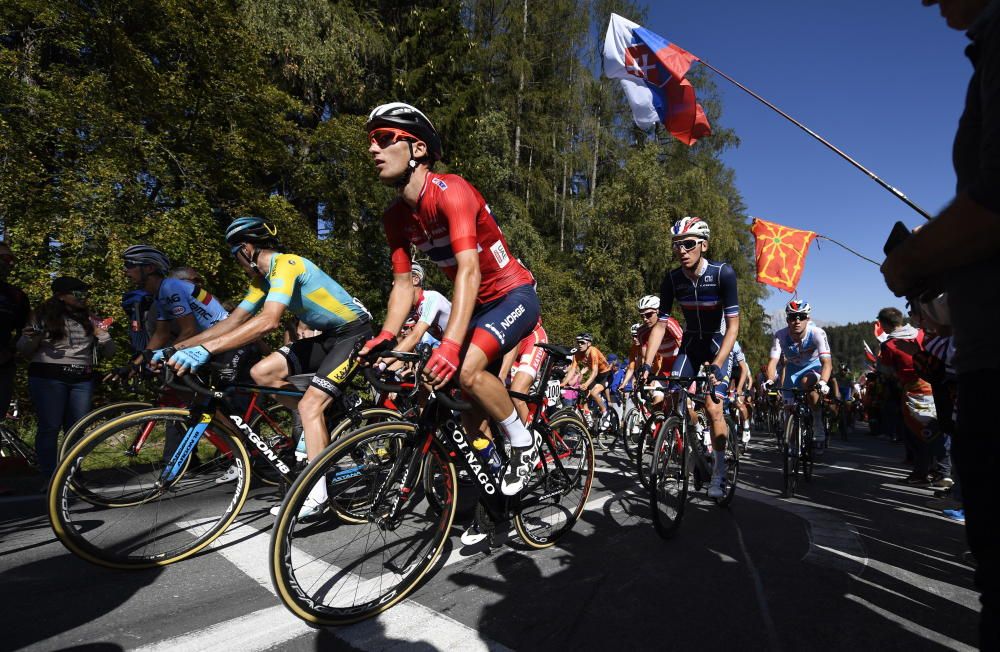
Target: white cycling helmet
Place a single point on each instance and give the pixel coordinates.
(650, 301)
(634, 329)
(797, 306)
(417, 270)
(691, 226)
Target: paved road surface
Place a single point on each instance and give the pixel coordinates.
(857, 562)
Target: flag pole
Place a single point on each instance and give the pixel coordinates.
(906, 200)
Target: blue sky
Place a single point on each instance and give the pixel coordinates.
(883, 81)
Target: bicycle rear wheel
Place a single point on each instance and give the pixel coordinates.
(607, 434)
(276, 425)
(109, 503)
(669, 478)
(558, 489)
(644, 451)
(95, 418)
(336, 573)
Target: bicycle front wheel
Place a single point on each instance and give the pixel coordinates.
(558, 489)
(631, 432)
(790, 455)
(669, 478)
(111, 502)
(335, 572)
(733, 447)
(644, 452)
(95, 418)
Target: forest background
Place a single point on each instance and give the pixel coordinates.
(158, 121)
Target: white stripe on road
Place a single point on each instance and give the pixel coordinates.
(405, 624)
(913, 627)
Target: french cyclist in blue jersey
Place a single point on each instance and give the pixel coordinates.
(182, 308)
(706, 292)
(280, 282)
(808, 365)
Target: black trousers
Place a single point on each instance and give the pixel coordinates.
(975, 456)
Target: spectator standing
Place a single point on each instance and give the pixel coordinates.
(63, 342)
(959, 252)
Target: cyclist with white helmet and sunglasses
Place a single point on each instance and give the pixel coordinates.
(494, 305)
(282, 282)
(177, 302)
(707, 294)
(808, 364)
(663, 363)
(429, 316)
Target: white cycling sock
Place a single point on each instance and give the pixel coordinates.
(318, 492)
(514, 428)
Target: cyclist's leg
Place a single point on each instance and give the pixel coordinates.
(807, 379)
(495, 328)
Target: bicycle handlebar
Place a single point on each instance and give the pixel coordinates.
(420, 357)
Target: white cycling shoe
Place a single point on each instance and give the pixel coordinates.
(232, 474)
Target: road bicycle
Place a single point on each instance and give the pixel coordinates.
(797, 445)
(331, 572)
(130, 495)
(683, 458)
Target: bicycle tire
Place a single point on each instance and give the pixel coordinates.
(808, 446)
(670, 478)
(607, 435)
(733, 446)
(183, 517)
(631, 432)
(95, 417)
(296, 555)
(643, 454)
(790, 456)
(542, 524)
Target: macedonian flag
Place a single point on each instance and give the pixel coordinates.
(780, 253)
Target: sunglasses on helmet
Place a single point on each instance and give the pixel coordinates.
(798, 316)
(386, 136)
(132, 264)
(685, 245)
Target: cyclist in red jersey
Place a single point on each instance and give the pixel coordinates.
(494, 305)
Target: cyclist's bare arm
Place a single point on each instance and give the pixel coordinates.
(656, 338)
(728, 340)
(463, 302)
(235, 319)
(400, 303)
(412, 338)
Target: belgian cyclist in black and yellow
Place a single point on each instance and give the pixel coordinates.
(281, 282)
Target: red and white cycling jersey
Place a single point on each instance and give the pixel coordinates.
(451, 216)
(669, 346)
(432, 309)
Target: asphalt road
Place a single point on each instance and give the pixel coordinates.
(856, 562)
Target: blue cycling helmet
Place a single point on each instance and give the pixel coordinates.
(251, 229)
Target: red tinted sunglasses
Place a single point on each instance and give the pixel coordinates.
(385, 136)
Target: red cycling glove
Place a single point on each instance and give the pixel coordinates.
(384, 341)
(443, 363)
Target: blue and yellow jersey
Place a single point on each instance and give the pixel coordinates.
(306, 291)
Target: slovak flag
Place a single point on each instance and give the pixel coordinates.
(652, 70)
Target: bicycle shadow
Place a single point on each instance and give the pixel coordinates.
(85, 592)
